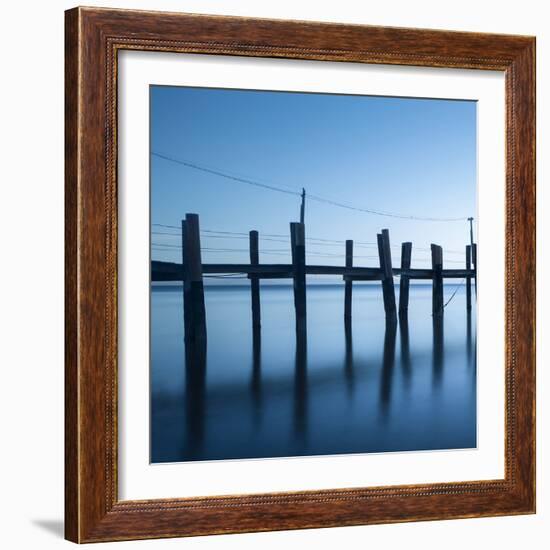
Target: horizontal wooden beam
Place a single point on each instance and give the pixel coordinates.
(341, 270)
(428, 273)
(287, 275)
(377, 277)
(247, 269)
(415, 274)
(170, 271)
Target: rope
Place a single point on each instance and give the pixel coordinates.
(226, 276)
(454, 293)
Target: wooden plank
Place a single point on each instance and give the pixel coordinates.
(262, 269)
(170, 271)
(297, 239)
(437, 285)
(468, 279)
(254, 281)
(377, 277)
(348, 283)
(341, 270)
(288, 275)
(388, 291)
(406, 253)
(166, 271)
(456, 273)
(428, 273)
(414, 273)
(193, 288)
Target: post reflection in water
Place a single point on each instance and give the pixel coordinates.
(195, 398)
(469, 346)
(438, 350)
(388, 364)
(256, 378)
(300, 389)
(405, 350)
(348, 358)
(344, 388)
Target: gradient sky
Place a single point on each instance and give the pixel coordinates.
(407, 156)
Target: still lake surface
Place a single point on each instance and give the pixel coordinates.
(376, 389)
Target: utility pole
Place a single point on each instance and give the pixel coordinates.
(471, 220)
(303, 206)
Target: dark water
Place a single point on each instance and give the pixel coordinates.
(377, 389)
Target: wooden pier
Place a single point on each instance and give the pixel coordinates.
(191, 272)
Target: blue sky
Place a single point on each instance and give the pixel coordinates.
(406, 156)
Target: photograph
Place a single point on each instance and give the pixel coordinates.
(313, 261)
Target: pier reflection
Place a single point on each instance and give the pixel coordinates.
(195, 398)
(300, 390)
(366, 398)
(470, 346)
(406, 368)
(348, 358)
(438, 351)
(388, 366)
(256, 378)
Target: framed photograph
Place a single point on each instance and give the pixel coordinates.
(300, 275)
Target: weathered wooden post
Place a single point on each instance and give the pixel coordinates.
(474, 262)
(348, 285)
(406, 251)
(186, 308)
(437, 281)
(193, 288)
(468, 278)
(298, 246)
(388, 291)
(254, 280)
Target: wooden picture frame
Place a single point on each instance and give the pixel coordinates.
(93, 511)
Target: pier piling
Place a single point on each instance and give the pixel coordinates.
(254, 280)
(297, 239)
(348, 288)
(474, 263)
(193, 288)
(437, 281)
(468, 279)
(388, 290)
(191, 270)
(404, 281)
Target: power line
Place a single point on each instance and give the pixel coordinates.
(165, 247)
(274, 237)
(382, 213)
(224, 175)
(299, 194)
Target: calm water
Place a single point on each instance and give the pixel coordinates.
(379, 389)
